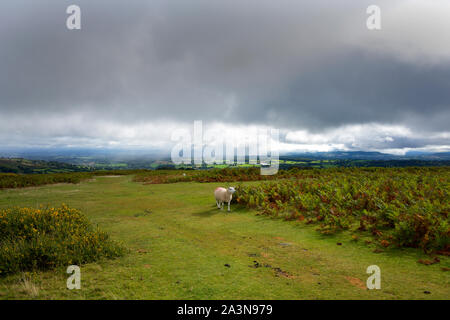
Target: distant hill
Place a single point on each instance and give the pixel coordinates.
(52, 163)
(344, 155)
(373, 155)
(20, 165)
(434, 156)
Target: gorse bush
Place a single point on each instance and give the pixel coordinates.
(406, 207)
(39, 239)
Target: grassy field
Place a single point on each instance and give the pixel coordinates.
(182, 247)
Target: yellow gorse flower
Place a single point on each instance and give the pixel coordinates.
(49, 236)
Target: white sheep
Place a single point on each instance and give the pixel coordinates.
(223, 195)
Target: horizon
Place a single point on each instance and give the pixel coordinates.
(158, 154)
(158, 67)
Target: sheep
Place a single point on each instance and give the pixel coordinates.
(223, 195)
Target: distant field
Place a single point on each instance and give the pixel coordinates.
(181, 246)
(99, 163)
(12, 180)
(19, 165)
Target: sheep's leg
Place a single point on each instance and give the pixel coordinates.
(218, 204)
(221, 205)
(229, 206)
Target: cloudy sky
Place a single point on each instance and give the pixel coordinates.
(138, 70)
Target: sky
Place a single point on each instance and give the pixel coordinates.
(139, 70)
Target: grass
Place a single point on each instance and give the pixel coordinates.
(180, 243)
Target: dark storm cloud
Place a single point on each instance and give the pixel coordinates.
(288, 64)
(361, 88)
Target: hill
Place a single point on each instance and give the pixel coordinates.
(20, 165)
(373, 155)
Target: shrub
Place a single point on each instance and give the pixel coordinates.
(212, 175)
(39, 239)
(404, 207)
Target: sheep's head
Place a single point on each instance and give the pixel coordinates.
(231, 190)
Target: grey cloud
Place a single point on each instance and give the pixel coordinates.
(289, 64)
(364, 88)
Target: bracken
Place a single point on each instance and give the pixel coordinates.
(402, 206)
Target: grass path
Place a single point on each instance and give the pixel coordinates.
(180, 243)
